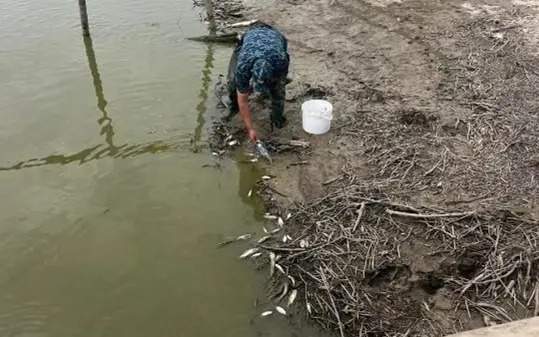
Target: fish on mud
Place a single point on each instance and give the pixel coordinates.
(283, 292)
(255, 255)
(250, 193)
(280, 222)
(309, 308)
(249, 252)
(279, 268)
(292, 280)
(268, 216)
(272, 263)
(292, 297)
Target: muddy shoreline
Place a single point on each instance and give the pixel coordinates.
(417, 214)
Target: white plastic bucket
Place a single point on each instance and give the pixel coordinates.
(316, 116)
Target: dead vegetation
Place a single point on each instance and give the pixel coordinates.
(369, 264)
(371, 267)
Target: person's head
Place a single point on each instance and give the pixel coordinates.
(262, 76)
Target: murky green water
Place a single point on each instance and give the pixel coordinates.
(108, 220)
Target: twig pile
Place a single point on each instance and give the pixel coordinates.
(374, 268)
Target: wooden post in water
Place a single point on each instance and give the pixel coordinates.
(84, 18)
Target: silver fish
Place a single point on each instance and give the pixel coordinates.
(272, 263)
(266, 177)
(250, 193)
(255, 255)
(233, 142)
(253, 160)
(303, 243)
(280, 222)
(280, 310)
(309, 308)
(261, 149)
(284, 292)
(275, 230)
(288, 237)
(248, 252)
(285, 239)
(288, 216)
(279, 268)
(265, 230)
(292, 280)
(244, 237)
(270, 216)
(292, 297)
(266, 313)
(264, 239)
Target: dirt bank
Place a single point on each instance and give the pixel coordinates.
(417, 214)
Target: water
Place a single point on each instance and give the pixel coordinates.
(108, 220)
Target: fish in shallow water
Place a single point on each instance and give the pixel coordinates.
(248, 253)
(262, 151)
(280, 310)
(266, 313)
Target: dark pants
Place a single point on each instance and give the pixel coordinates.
(277, 91)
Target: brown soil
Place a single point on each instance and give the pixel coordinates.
(436, 107)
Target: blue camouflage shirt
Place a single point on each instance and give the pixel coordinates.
(261, 44)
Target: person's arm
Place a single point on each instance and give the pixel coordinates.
(245, 113)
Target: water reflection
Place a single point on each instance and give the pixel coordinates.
(103, 151)
(206, 77)
(203, 95)
(104, 121)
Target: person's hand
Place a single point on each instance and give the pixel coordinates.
(252, 135)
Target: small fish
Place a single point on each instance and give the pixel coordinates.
(292, 280)
(233, 143)
(255, 255)
(270, 216)
(285, 238)
(215, 154)
(265, 230)
(288, 237)
(288, 216)
(229, 137)
(275, 230)
(253, 160)
(248, 252)
(280, 222)
(280, 310)
(279, 268)
(244, 237)
(266, 177)
(284, 292)
(266, 313)
(292, 297)
(264, 239)
(303, 243)
(309, 308)
(261, 149)
(250, 193)
(272, 263)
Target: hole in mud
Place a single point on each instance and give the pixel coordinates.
(430, 284)
(387, 274)
(413, 117)
(316, 92)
